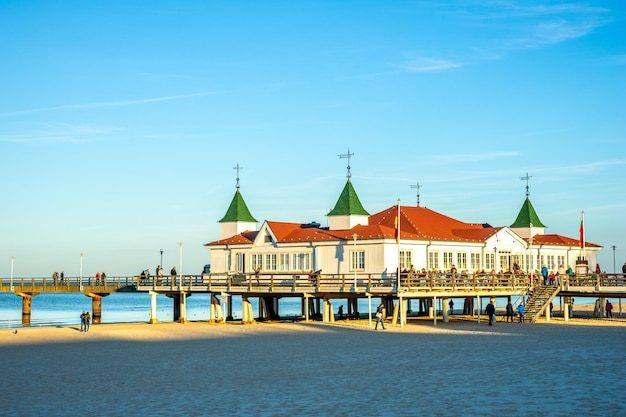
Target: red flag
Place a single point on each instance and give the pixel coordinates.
(582, 230)
(396, 225)
(396, 230)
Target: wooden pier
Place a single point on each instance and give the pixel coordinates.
(319, 290)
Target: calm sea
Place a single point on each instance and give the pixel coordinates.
(62, 309)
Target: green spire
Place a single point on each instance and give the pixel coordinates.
(527, 216)
(348, 203)
(238, 211)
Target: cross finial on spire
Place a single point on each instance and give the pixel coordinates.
(418, 186)
(526, 178)
(347, 155)
(237, 168)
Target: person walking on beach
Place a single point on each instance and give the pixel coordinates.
(609, 309)
(520, 311)
(509, 312)
(87, 320)
(491, 311)
(82, 321)
(380, 316)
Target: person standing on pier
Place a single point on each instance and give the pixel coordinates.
(509, 312)
(609, 309)
(380, 316)
(173, 274)
(491, 311)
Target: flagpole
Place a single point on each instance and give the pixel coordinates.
(398, 245)
(582, 232)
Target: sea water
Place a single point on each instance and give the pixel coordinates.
(63, 309)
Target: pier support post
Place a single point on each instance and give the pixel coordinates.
(369, 309)
(96, 306)
(479, 309)
(566, 311)
(215, 312)
(445, 309)
(26, 306)
(153, 308)
(179, 307)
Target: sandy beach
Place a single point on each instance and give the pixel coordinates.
(343, 369)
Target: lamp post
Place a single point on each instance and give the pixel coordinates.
(80, 276)
(354, 259)
(12, 259)
(180, 271)
(613, 258)
(161, 258)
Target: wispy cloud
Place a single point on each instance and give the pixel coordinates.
(427, 64)
(103, 104)
(469, 157)
(547, 33)
(61, 133)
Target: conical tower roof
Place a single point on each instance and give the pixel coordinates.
(527, 216)
(348, 203)
(238, 211)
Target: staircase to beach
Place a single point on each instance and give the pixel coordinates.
(539, 299)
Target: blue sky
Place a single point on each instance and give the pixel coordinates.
(121, 122)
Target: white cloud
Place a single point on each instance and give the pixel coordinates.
(425, 64)
(103, 104)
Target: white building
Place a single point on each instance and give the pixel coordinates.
(358, 241)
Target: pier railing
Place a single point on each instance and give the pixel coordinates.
(304, 282)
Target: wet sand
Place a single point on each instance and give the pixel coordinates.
(288, 369)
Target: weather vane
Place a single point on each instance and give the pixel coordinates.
(347, 155)
(526, 178)
(238, 168)
(418, 186)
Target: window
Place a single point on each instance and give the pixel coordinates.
(475, 261)
(560, 260)
(447, 260)
(406, 259)
(257, 261)
(284, 262)
(433, 260)
(551, 264)
(239, 261)
(306, 261)
(358, 261)
(461, 261)
(270, 262)
(490, 261)
(296, 261)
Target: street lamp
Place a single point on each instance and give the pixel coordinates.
(354, 259)
(180, 271)
(613, 258)
(12, 259)
(80, 276)
(161, 258)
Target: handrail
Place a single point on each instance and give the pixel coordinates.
(280, 280)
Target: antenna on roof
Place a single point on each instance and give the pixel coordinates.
(526, 178)
(238, 168)
(418, 186)
(347, 155)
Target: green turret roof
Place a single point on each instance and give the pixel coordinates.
(238, 211)
(527, 216)
(348, 203)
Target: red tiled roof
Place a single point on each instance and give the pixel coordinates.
(559, 240)
(418, 223)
